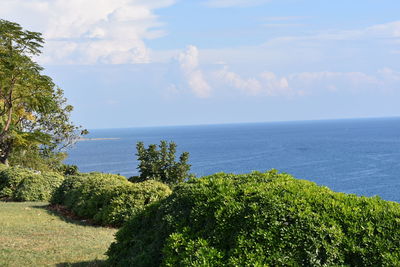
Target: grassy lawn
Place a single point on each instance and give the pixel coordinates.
(30, 235)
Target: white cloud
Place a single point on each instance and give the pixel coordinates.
(275, 86)
(267, 83)
(90, 31)
(390, 74)
(309, 83)
(171, 91)
(287, 18)
(391, 29)
(283, 22)
(189, 65)
(251, 86)
(189, 60)
(386, 31)
(333, 50)
(235, 3)
(282, 25)
(313, 82)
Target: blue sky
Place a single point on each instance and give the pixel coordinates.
(127, 63)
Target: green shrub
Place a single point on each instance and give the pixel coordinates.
(10, 179)
(3, 166)
(21, 184)
(260, 219)
(107, 199)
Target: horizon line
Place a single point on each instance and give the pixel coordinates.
(240, 123)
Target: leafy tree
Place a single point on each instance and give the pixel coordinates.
(34, 115)
(158, 163)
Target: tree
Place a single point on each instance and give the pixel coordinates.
(34, 115)
(159, 164)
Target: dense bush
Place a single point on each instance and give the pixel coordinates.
(3, 166)
(107, 199)
(21, 184)
(260, 219)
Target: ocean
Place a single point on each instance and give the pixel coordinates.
(360, 156)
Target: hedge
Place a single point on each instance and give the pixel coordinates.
(107, 199)
(19, 184)
(3, 166)
(260, 219)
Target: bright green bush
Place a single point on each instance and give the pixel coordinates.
(10, 179)
(107, 199)
(260, 219)
(3, 166)
(21, 184)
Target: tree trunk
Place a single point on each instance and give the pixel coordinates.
(5, 142)
(5, 151)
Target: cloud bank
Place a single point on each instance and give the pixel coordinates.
(215, 80)
(267, 83)
(90, 31)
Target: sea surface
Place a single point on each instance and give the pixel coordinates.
(360, 156)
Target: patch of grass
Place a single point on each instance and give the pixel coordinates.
(30, 235)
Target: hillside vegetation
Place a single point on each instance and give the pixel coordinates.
(256, 219)
(260, 219)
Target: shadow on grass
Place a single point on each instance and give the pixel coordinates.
(68, 217)
(95, 263)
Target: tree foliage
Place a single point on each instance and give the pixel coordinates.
(34, 114)
(158, 163)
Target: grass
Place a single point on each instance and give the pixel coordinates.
(31, 235)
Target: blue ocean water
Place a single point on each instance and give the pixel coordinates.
(360, 156)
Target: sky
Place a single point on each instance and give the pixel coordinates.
(133, 63)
